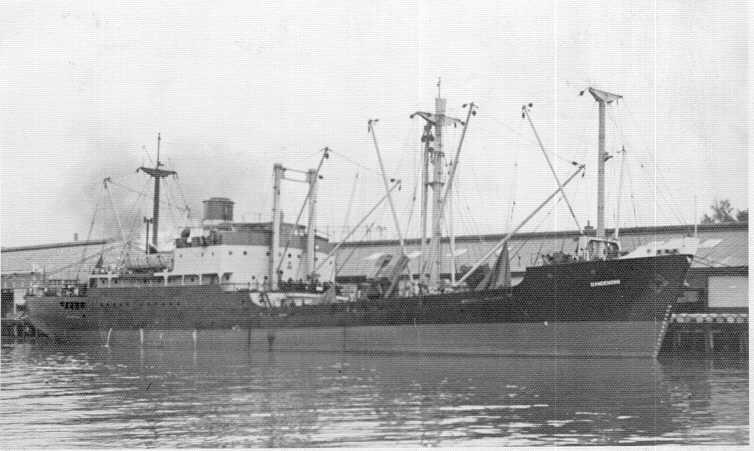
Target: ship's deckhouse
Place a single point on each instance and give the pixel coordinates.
(239, 253)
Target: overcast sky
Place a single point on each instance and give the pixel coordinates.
(236, 87)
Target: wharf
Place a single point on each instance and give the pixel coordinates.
(17, 328)
(712, 333)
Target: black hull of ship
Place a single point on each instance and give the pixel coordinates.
(602, 308)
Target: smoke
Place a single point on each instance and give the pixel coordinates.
(83, 197)
(204, 171)
(206, 167)
(217, 169)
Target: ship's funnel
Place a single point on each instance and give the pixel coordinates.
(217, 210)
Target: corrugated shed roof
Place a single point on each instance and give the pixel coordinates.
(60, 261)
(720, 246)
(726, 245)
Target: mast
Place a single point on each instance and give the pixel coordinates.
(156, 173)
(602, 98)
(427, 139)
(438, 159)
(311, 177)
(449, 200)
(277, 171)
(436, 156)
(147, 221)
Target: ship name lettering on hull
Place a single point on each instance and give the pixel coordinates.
(605, 283)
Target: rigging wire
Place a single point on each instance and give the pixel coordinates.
(356, 163)
(134, 223)
(663, 197)
(367, 230)
(417, 181)
(135, 218)
(88, 235)
(514, 183)
(633, 197)
(81, 261)
(162, 202)
(656, 167)
(144, 148)
(664, 192)
(520, 135)
(536, 228)
(183, 197)
(350, 202)
(169, 193)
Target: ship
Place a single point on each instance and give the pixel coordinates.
(231, 284)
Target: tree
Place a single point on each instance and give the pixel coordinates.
(722, 213)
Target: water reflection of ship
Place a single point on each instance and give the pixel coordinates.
(325, 399)
(235, 284)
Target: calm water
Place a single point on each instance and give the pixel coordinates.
(93, 396)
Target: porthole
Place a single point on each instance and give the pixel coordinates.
(244, 252)
(230, 252)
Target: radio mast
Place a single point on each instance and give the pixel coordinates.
(157, 174)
